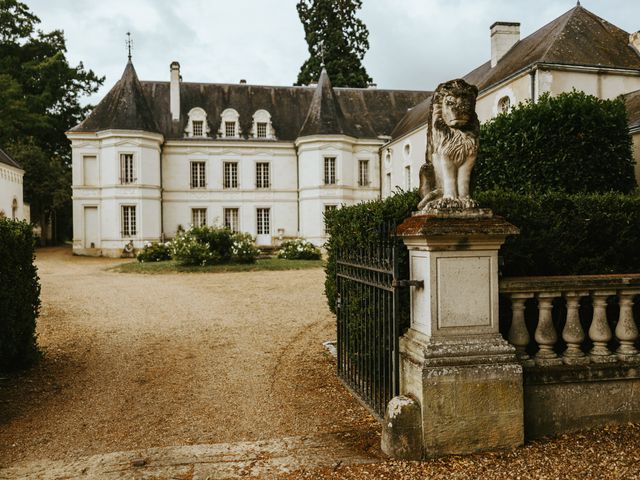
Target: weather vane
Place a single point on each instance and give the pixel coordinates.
(129, 44)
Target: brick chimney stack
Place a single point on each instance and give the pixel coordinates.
(174, 92)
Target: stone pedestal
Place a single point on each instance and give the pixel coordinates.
(454, 362)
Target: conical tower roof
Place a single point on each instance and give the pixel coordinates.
(324, 116)
(123, 108)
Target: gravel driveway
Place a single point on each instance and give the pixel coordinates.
(136, 361)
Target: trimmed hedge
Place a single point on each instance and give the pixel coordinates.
(563, 234)
(570, 143)
(19, 296)
(560, 234)
(355, 226)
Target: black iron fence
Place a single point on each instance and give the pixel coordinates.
(370, 318)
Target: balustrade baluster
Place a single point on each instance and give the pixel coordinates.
(626, 329)
(546, 335)
(518, 334)
(573, 333)
(599, 331)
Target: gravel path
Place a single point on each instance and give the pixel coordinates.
(138, 361)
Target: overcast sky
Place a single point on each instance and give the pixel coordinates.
(414, 44)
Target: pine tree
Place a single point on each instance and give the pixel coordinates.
(335, 34)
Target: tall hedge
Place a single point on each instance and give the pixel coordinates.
(563, 234)
(569, 143)
(19, 296)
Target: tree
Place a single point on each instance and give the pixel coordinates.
(39, 101)
(333, 32)
(570, 143)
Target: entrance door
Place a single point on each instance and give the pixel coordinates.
(263, 230)
(91, 228)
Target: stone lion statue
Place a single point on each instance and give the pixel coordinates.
(453, 133)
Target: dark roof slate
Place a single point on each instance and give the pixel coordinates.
(579, 37)
(7, 160)
(632, 101)
(415, 118)
(364, 113)
(125, 107)
(324, 115)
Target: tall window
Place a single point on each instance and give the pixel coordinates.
(197, 128)
(327, 209)
(230, 175)
(198, 176)
(198, 217)
(263, 216)
(261, 130)
(127, 170)
(229, 129)
(231, 219)
(262, 175)
(388, 186)
(129, 222)
(363, 172)
(330, 170)
(407, 177)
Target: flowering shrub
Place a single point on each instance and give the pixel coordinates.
(188, 250)
(298, 249)
(219, 240)
(243, 249)
(154, 252)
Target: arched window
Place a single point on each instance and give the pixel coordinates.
(230, 124)
(262, 127)
(504, 105)
(197, 125)
(407, 150)
(14, 209)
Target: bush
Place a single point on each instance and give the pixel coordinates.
(243, 248)
(570, 143)
(354, 227)
(563, 234)
(19, 296)
(155, 252)
(186, 249)
(219, 240)
(299, 249)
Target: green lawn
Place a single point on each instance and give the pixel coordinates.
(171, 266)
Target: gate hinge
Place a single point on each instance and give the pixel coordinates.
(407, 283)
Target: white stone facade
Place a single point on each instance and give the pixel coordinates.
(11, 199)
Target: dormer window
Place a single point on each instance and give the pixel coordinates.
(262, 127)
(230, 124)
(197, 125)
(197, 128)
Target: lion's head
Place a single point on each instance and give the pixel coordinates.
(454, 104)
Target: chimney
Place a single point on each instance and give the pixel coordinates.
(243, 81)
(634, 41)
(504, 35)
(174, 92)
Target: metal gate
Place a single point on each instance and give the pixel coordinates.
(368, 318)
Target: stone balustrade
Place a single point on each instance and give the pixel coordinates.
(588, 340)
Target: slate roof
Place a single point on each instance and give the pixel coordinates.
(415, 118)
(579, 37)
(632, 101)
(361, 113)
(7, 160)
(123, 108)
(324, 115)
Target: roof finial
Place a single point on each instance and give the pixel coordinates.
(578, 4)
(129, 44)
(322, 54)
